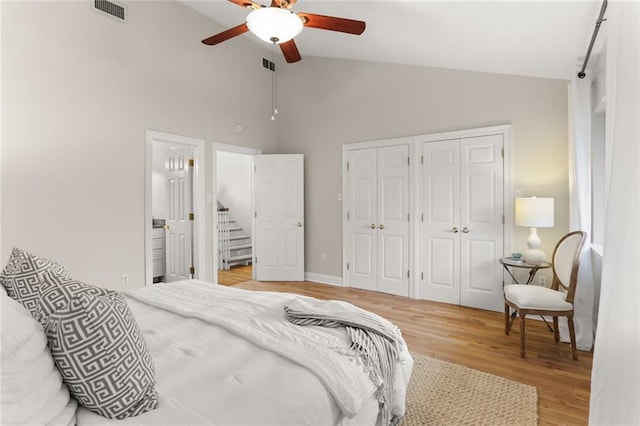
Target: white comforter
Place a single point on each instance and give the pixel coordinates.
(276, 373)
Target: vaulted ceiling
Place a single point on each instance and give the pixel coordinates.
(532, 38)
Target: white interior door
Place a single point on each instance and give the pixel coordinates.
(279, 217)
(179, 210)
(482, 217)
(462, 232)
(441, 221)
(378, 231)
(393, 220)
(363, 218)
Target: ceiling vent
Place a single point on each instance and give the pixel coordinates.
(111, 8)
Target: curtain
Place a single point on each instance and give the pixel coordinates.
(580, 208)
(615, 378)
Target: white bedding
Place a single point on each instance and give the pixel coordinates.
(206, 374)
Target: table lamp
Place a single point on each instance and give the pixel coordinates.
(535, 213)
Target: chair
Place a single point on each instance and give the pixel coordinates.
(556, 301)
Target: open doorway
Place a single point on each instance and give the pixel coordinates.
(174, 209)
(233, 183)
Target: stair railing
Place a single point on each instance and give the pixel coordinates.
(224, 253)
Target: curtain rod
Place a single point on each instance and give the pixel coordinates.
(601, 19)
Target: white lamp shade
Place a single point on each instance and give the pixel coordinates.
(534, 212)
(274, 25)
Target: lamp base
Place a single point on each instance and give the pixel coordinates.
(534, 256)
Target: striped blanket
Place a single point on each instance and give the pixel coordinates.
(376, 340)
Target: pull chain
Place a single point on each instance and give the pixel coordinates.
(274, 85)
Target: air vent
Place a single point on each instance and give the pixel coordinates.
(112, 9)
(268, 64)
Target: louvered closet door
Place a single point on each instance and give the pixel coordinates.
(378, 231)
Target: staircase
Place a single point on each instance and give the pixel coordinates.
(234, 246)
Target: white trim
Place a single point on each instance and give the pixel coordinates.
(323, 279)
(214, 181)
(198, 201)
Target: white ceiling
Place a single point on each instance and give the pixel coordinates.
(532, 38)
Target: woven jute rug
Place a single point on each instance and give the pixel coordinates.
(442, 393)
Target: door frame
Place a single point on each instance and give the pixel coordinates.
(236, 149)
(507, 183)
(198, 199)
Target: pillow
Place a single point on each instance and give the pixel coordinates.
(56, 292)
(102, 356)
(31, 388)
(23, 275)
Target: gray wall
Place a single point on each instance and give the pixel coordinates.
(80, 89)
(328, 103)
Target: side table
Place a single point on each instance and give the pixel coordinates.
(510, 262)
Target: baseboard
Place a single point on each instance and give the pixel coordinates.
(323, 279)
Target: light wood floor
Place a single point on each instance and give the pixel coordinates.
(235, 275)
(475, 338)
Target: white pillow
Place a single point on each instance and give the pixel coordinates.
(31, 388)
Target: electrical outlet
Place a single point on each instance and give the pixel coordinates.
(542, 281)
(323, 257)
(125, 279)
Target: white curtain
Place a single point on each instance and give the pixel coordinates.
(580, 208)
(615, 379)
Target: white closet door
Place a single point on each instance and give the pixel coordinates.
(441, 221)
(482, 238)
(393, 220)
(363, 218)
(279, 221)
(462, 232)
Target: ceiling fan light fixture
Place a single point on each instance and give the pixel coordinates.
(274, 25)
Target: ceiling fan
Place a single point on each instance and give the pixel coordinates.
(278, 25)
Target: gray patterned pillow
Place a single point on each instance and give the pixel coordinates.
(102, 355)
(56, 293)
(23, 275)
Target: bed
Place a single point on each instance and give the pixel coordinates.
(229, 356)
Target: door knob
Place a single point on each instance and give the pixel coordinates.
(381, 226)
(299, 224)
(372, 226)
(454, 229)
(466, 230)
(166, 227)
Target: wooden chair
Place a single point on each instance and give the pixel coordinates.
(556, 301)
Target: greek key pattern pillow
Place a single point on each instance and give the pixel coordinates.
(23, 276)
(56, 293)
(102, 355)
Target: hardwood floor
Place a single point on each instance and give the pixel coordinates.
(475, 338)
(235, 275)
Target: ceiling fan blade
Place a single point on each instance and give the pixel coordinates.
(226, 35)
(290, 51)
(247, 4)
(283, 4)
(332, 23)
